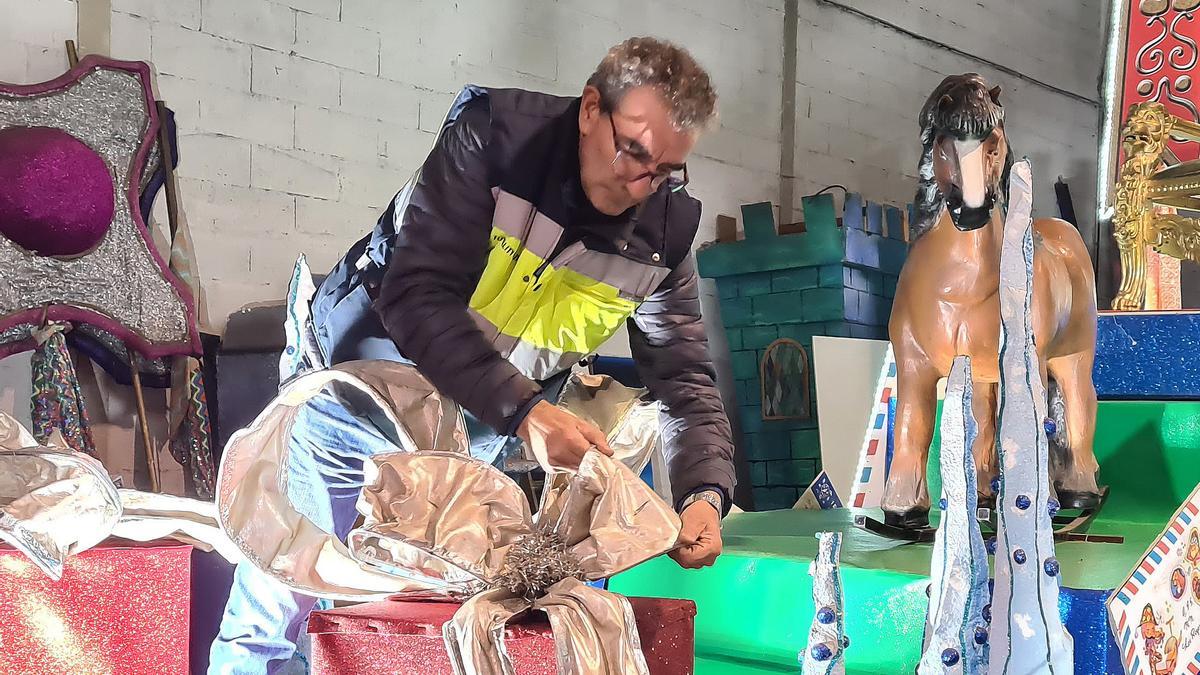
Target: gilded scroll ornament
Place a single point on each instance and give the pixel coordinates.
(1143, 141)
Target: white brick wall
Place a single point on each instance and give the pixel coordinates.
(299, 119)
(864, 84)
(32, 39)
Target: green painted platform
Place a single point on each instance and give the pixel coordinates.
(755, 604)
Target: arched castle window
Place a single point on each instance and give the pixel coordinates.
(784, 378)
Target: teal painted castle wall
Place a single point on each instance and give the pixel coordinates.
(836, 278)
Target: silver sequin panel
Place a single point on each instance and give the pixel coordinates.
(21, 331)
(106, 110)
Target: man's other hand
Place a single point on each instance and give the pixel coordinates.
(701, 535)
(559, 440)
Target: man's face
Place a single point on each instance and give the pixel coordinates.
(625, 155)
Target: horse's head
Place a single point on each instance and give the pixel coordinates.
(965, 156)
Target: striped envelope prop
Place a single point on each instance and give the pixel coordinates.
(870, 481)
(1155, 614)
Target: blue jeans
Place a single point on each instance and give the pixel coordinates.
(324, 477)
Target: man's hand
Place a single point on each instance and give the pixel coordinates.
(701, 534)
(559, 439)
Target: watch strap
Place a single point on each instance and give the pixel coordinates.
(712, 497)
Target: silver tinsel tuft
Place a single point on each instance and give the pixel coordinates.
(536, 562)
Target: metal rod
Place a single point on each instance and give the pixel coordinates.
(151, 451)
(1185, 130)
(1186, 202)
(787, 122)
(72, 54)
(1173, 187)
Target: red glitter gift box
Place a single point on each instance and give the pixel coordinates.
(118, 609)
(406, 637)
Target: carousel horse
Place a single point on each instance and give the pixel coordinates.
(947, 304)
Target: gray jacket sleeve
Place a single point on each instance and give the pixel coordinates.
(440, 252)
(668, 343)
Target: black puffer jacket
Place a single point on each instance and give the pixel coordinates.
(492, 273)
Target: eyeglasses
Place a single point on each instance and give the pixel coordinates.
(634, 160)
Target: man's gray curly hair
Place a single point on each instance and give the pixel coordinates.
(668, 68)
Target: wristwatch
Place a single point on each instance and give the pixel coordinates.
(711, 496)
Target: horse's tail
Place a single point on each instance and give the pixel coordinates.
(1056, 424)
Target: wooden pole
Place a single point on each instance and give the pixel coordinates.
(151, 451)
(72, 54)
(164, 148)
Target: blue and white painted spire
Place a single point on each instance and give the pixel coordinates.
(1027, 634)
(956, 636)
(827, 642)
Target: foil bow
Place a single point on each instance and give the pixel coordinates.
(440, 524)
(592, 524)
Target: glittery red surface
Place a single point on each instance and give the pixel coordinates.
(118, 610)
(406, 637)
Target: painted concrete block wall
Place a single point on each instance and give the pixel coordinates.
(300, 118)
(32, 36)
(861, 84)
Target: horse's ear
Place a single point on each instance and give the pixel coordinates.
(995, 94)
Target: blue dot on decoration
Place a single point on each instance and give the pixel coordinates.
(1051, 567)
(1019, 556)
(291, 350)
(996, 484)
(1050, 426)
(942, 503)
(991, 546)
(821, 652)
(949, 656)
(1053, 506)
(981, 635)
(1023, 502)
(987, 613)
(825, 615)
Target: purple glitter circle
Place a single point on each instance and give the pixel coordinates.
(56, 193)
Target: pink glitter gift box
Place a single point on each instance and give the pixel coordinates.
(406, 637)
(118, 609)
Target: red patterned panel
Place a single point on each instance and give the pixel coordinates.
(1162, 50)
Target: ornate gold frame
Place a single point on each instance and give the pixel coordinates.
(1141, 187)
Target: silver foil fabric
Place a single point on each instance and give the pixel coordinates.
(440, 524)
(55, 503)
(437, 524)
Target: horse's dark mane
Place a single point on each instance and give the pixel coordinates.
(961, 106)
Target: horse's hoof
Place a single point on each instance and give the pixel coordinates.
(985, 502)
(912, 519)
(1078, 500)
